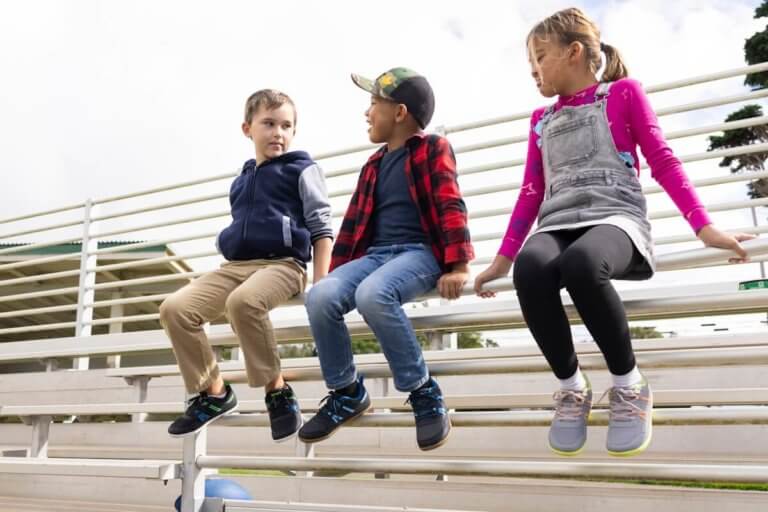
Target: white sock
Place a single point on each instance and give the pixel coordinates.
(630, 379)
(219, 396)
(575, 382)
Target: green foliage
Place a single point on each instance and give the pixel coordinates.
(743, 137)
(291, 351)
(637, 333)
(474, 340)
(370, 345)
(756, 50)
(762, 10)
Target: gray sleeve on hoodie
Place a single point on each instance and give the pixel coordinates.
(317, 208)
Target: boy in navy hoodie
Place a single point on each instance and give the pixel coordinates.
(280, 212)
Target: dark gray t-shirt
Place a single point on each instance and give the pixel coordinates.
(396, 218)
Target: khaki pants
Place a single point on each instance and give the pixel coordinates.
(246, 291)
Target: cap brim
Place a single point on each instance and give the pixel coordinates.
(365, 84)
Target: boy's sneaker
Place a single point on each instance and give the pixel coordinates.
(432, 421)
(284, 413)
(568, 432)
(337, 410)
(202, 410)
(630, 419)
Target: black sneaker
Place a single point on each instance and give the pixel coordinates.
(337, 410)
(284, 413)
(202, 410)
(432, 421)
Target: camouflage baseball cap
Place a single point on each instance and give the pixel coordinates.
(402, 85)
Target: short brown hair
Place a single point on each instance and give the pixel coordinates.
(269, 99)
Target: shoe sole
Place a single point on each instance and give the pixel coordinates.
(351, 418)
(201, 427)
(439, 443)
(290, 436)
(635, 451)
(567, 454)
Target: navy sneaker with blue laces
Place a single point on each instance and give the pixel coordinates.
(284, 413)
(432, 422)
(202, 410)
(337, 409)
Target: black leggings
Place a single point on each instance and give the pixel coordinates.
(583, 261)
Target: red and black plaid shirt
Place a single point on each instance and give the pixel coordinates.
(430, 168)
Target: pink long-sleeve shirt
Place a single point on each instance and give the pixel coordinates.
(633, 123)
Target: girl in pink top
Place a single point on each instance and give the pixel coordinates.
(581, 185)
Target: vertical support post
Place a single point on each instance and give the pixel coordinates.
(86, 293)
(756, 224)
(306, 450)
(51, 364)
(140, 384)
(192, 477)
(41, 428)
(116, 311)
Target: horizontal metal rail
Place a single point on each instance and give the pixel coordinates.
(163, 206)
(174, 186)
(667, 262)
(677, 134)
(51, 227)
(755, 415)
(650, 90)
(742, 473)
(61, 209)
(154, 225)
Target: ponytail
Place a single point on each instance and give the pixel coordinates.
(615, 68)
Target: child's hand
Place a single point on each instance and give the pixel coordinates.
(451, 284)
(499, 268)
(713, 237)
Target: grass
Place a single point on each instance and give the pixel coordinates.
(671, 483)
(690, 483)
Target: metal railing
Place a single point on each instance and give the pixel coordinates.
(80, 291)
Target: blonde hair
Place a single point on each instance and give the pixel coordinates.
(572, 25)
(269, 99)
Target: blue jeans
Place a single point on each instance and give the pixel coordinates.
(377, 284)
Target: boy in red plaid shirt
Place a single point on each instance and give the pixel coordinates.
(404, 233)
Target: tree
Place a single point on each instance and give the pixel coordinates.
(755, 51)
(744, 137)
(370, 345)
(474, 340)
(638, 332)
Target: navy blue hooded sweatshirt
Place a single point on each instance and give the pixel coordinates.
(279, 208)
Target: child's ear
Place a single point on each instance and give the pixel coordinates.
(246, 129)
(575, 50)
(402, 113)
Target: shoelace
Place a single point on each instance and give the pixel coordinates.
(195, 403)
(331, 405)
(569, 404)
(422, 401)
(621, 402)
(279, 399)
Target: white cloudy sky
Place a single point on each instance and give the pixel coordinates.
(100, 97)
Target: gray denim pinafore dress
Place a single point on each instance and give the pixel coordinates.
(587, 181)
